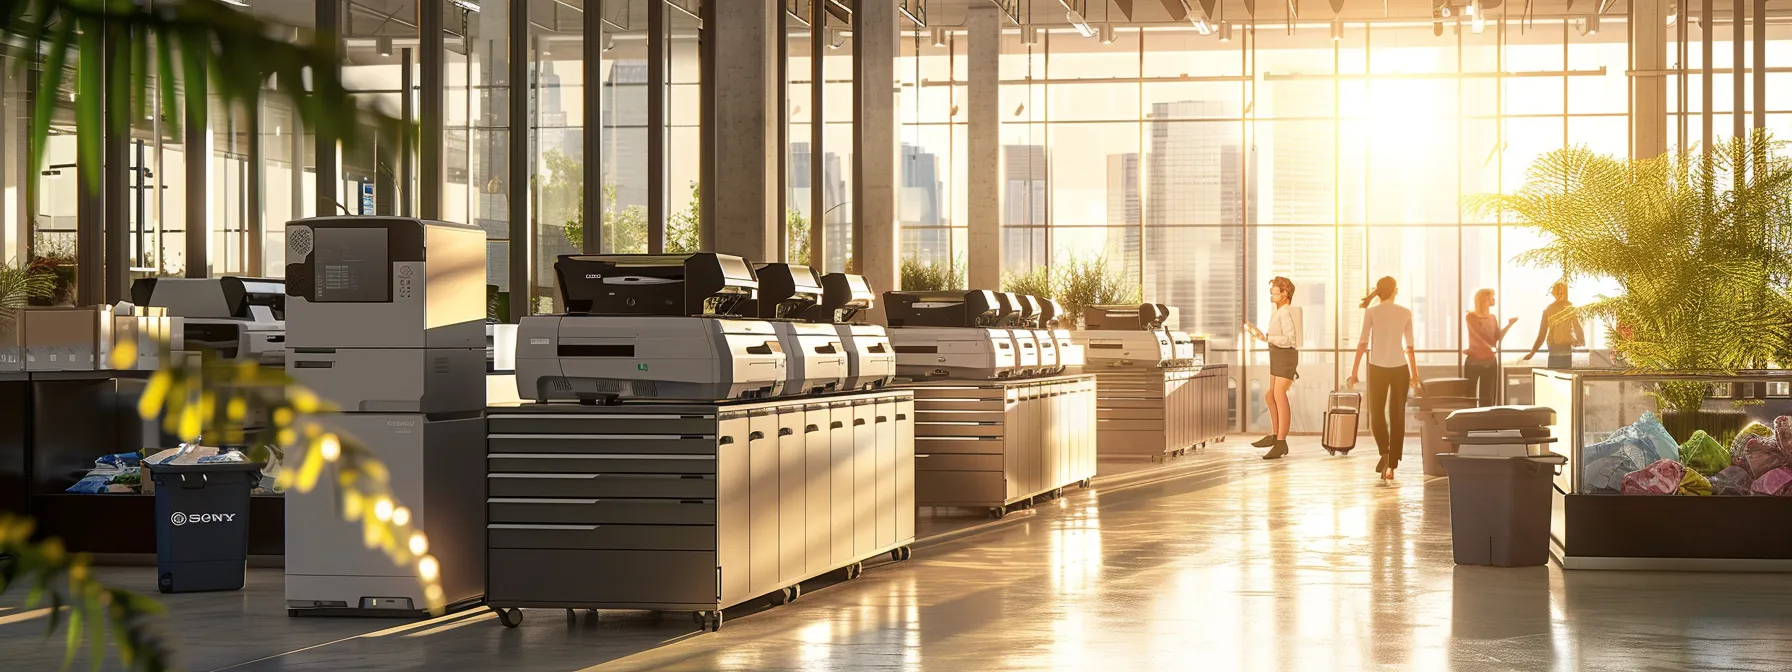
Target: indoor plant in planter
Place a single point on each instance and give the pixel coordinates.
(1700, 247)
(1089, 282)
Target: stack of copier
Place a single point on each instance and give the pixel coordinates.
(870, 359)
(1069, 353)
(652, 327)
(1126, 336)
(815, 356)
(241, 319)
(950, 334)
(1026, 344)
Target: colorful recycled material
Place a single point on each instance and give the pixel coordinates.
(1694, 483)
(1776, 483)
(1733, 480)
(1661, 477)
(1606, 474)
(1736, 444)
(1782, 430)
(1658, 444)
(1762, 455)
(1703, 454)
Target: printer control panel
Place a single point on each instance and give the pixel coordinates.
(405, 284)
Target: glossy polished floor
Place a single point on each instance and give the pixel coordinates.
(1228, 563)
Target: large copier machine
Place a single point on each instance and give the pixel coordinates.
(845, 301)
(1125, 336)
(1052, 328)
(650, 327)
(949, 334)
(385, 322)
(815, 355)
(240, 319)
(1026, 344)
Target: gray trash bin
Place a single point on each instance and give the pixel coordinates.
(1442, 397)
(1499, 508)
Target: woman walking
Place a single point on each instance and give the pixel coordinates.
(1482, 368)
(1283, 338)
(1386, 326)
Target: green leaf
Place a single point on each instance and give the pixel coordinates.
(165, 82)
(73, 638)
(49, 86)
(90, 136)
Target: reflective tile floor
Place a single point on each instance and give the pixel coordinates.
(1225, 563)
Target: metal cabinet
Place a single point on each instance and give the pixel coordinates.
(995, 443)
(692, 507)
(1159, 413)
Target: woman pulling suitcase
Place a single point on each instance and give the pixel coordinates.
(1386, 326)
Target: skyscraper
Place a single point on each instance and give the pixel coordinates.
(1194, 182)
(926, 235)
(1023, 207)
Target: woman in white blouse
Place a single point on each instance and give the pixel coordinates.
(1283, 338)
(1385, 327)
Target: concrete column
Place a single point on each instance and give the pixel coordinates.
(876, 236)
(741, 150)
(1649, 93)
(983, 162)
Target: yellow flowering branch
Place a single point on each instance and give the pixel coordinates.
(64, 581)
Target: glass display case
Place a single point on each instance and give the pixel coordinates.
(1623, 448)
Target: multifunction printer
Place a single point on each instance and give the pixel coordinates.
(240, 319)
(815, 355)
(1054, 324)
(385, 322)
(650, 327)
(1031, 314)
(1128, 335)
(845, 302)
(949, 334)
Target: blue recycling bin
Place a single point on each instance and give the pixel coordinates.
(202, 525)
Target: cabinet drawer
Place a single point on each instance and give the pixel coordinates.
(560, 463)
(600, 444)
(960, 405)
(961, 429)
(616, 579)
(1153, 413)
(950, 462)
(1107, 425)
(599, 511)
(602, 537)
(601, 485)
(924, 393)
(966, 488)
(602, 423)
(936, 415)
(931, 445)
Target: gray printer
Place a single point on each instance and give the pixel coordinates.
(384, 320)
(1031, 314)
(949, 334)
(1026, 345)
(845, 301)
(1125, 335)
(240, 319)
(815, 359)
(651, 327)
(1053, 323)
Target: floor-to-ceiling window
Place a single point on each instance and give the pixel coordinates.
(1202, 166)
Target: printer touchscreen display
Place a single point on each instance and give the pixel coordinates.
(352, 265)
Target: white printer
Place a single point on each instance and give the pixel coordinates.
(845, 301)
(815, 355)
(1026, 346)
(1052, 321)
(948, 334)
(241, 319)
(1129, 335)
(1032, 310)
(649, 326)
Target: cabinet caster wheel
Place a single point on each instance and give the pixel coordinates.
(1087, 482)
(709, 621)
(907, 552)
(997, 512)
(511, 617)
(785, 596)
(855, 570)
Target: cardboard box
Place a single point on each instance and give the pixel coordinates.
(67, 339)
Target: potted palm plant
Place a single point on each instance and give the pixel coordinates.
(1699, 246)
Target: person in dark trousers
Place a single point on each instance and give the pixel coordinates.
(1386, 326)
(1482, 368)
(1560, 330)
(1283, 338)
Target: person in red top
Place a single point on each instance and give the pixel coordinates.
(1482, 368)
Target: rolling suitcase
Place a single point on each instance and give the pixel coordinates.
(1338, 433)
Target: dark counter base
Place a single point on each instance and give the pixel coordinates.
(1641, 526)
(126, 523)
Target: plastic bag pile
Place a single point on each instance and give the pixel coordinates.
(112, 474)
(1642, 459)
